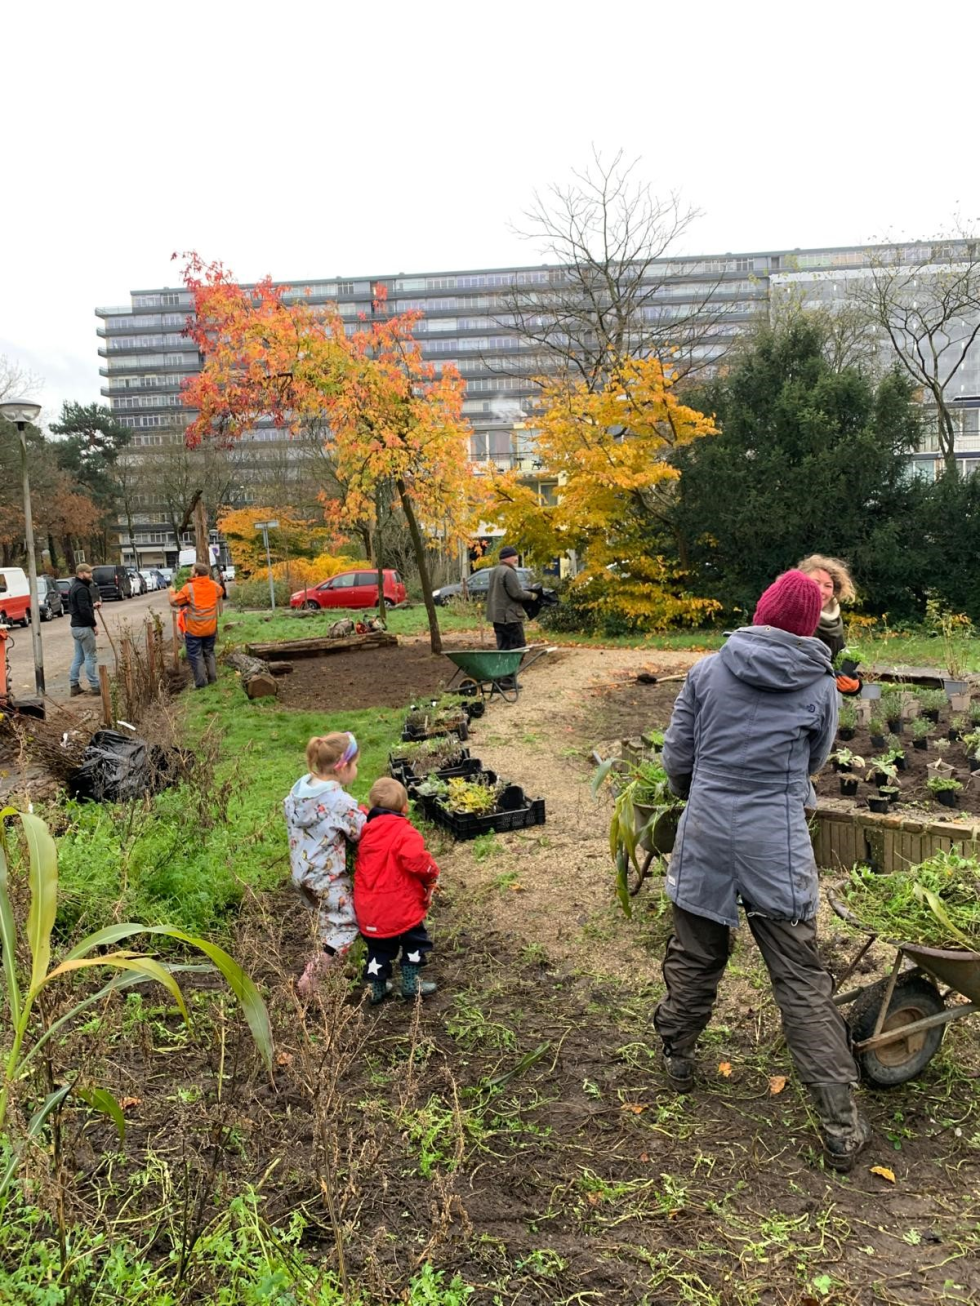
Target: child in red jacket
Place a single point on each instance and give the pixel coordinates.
(393, 882)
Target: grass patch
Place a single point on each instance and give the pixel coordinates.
(186, 861)
(249, 627)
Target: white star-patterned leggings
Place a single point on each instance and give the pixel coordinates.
(381, 953)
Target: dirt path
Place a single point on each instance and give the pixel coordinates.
(551, 886)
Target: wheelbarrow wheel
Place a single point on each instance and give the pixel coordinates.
(469, 688)
(914, 998)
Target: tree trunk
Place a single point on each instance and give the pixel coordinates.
(53, 553)
(70, 563)
(379, 562)
(257, 678)
(418, 545)
(200, 519)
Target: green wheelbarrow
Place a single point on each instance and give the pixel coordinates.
(495, 668)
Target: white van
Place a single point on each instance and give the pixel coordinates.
(15, 596)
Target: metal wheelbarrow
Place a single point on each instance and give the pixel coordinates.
(493, 667)
(897, 1024)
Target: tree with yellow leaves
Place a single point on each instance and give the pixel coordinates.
(610, 449)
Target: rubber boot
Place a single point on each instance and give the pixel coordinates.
(679, 1069)
(412, 982)
(74, 691)
(844, 1130)
(379, 990)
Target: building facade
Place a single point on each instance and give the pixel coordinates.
(472, 319)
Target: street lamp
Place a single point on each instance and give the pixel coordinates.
(265, 527)
(21, 415)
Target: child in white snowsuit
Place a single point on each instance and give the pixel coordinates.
(323, 822)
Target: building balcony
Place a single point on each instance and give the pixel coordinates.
(529, 464)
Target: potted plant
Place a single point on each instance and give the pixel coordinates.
(944, 789)
(645, 815)
(848, 786)
(921, 730)
(846, 662)
(877, 727)
(891, 706)
(847, 721)
(971, 744)
(890, 793)
(933, 701)
(844, 760)
(896, 753)
(878, 804)
(957, 725)
(883, 770)
(975, 714)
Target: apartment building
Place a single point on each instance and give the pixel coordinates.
(471, 318)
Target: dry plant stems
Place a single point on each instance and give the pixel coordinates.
(23, 990)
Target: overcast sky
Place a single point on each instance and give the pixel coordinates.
(306, 138)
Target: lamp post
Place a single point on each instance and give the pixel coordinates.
(265, 527)
(21, 415)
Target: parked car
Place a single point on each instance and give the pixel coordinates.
(159, 578)
(167, 573)
(50, 604)
(149, 579)
(137, 585)
(64, 585)
(229, 572)
(15, 596)
(113, 582)
(477, 586)
(351, 589)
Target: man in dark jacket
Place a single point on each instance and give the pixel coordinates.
(749, 728)
(83, 600)
(505, 597)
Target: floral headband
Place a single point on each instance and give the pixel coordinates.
(350, 752)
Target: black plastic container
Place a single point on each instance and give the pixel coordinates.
(849, 786)
(921, 744)
(879, 805)
(516, 812)
(467, 769)
(399, 769)
(412, 734)
(845, 734)
(948, 798)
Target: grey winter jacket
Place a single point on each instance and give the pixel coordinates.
(749, 728)
(505, 595)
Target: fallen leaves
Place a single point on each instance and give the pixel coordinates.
(127, 1103)
(284, 1059)
(637, 1108)
(776, 1084)
(725, 1068)
(884, 1172)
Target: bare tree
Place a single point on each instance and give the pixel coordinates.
(611, 292)
(17, 382)
(925, 298)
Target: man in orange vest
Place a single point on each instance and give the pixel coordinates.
(200, 600)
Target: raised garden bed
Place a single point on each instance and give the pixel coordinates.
(843, 835)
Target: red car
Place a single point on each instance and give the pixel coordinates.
(350, 589)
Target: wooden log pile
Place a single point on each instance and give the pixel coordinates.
(258, 678)
(320, 647)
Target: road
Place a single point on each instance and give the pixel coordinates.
(58, 645)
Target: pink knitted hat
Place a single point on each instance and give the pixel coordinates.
(791, 603)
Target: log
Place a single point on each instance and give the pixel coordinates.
(318, 648)
(257, 678)
(281, 668)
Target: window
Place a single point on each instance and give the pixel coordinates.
(367, 578)
(345, 287)
(344, 581)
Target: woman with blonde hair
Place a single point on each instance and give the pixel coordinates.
(836, 587)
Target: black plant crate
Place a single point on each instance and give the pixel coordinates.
(398, 767)
(468, 768)
(411, 734)
(467, 825)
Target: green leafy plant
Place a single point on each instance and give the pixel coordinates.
(471, 796)
(432, 754)
(27, 1036)
(643, 799)
(921, 727)
(877, 724)
(936, 903)
(891, 705)
(848, 717)
(843, 757)
(933, 700)
(845, 655)
(885, 765)
(942, 784)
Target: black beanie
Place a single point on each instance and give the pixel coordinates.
(508, 551)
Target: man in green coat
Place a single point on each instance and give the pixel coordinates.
(505, 598)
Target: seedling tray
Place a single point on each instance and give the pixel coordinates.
(468, 767)
(467, 825)
(412, 734)
(399, 769)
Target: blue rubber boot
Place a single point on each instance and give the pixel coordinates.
(412, 982)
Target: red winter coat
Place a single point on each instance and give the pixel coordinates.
(393, 876)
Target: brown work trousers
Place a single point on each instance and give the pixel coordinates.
(696, 957)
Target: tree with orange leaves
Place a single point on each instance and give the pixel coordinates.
(610, 449)
(392, 420)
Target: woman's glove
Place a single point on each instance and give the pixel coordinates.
(849, 685)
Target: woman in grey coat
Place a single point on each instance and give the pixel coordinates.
(749, 728)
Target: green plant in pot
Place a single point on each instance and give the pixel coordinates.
(891, 707)
(645, 816)
(844, 760)
(921, 730)
(878, 730)
(847, 721)
(944, 789)
(933, 702)
(883, 770)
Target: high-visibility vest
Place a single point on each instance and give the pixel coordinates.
(200, 597)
